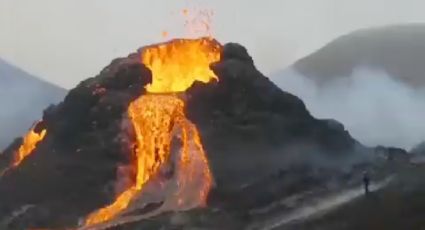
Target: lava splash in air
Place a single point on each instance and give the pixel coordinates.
(159, 119)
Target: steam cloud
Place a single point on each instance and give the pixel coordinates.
(375, 108)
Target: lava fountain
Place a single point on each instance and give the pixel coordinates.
(158, 118)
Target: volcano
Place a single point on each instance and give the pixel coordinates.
(185, 124)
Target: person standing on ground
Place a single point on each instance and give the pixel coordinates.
(366, 182)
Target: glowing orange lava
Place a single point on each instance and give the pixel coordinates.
(177, 64)
(155, 117)
(30, 141)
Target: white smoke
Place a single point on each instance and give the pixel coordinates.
(375, 108)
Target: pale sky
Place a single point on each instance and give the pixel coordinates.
(66, 41)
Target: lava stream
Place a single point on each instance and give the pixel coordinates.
(29, 143)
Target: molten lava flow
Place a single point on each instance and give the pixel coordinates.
(177, 64)
(193, 172)
(156, 117)
(30, 141)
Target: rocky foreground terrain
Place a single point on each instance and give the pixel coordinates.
(399, 205)
(262, 143)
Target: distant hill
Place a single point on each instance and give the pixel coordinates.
(22, 100)
(399, 50)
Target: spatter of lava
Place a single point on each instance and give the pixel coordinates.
(158, 117)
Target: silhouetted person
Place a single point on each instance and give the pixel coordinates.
(366, 182)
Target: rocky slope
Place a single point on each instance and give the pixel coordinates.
(400, 205)
(261, 142)
(398, 50)
(22, 98)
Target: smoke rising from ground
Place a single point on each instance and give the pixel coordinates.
(375, 108)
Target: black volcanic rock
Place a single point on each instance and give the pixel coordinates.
(250, 129)
(398, 50)
(22, 98)
(246, 116)
(236, 51)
